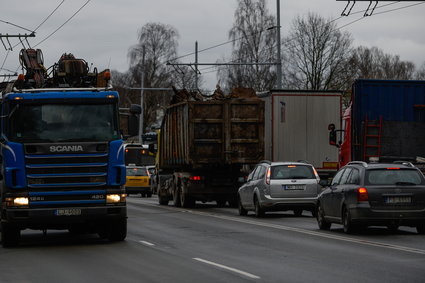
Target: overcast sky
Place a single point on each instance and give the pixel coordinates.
(103, 30)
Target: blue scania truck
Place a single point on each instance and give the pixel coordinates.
(62, 152)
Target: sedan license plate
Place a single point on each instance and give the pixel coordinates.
(68, 212)
(397, 199)
(293, 187)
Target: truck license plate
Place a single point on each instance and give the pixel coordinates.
(68, 212)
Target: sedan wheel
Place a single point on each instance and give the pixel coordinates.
(349, 227)
(323, 224)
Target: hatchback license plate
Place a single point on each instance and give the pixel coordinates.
(293, 187)
(394, 199)
(68, 212)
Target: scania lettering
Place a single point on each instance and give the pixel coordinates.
(60, 148)
(62, 151)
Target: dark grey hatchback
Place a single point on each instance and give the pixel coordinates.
(374, 194)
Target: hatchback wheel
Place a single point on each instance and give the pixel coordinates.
(259, 212)
(242, 211)
(321, 221)
(349, 227)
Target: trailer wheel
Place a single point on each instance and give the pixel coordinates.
(10, 235)
(185, 199)
(176, 196)
(163, 200)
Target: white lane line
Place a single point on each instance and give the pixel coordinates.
(318, 234)
(146, 243)
(298, 230)
(249, 275)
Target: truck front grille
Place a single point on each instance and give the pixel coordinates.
(66, 171)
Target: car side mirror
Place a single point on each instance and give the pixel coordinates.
(324, 183)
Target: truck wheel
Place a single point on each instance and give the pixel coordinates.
(10, 235)
(186, 200)
(176, 197)
(117, 231)
(162, 199)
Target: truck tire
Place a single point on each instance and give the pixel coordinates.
(10, 235)
(162, 199)
(186, 200)
(176, 196)
(117, 231)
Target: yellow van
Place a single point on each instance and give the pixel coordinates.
(137, 181)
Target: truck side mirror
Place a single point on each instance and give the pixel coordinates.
(134, 120)
(133, 125)
(135, 109)
(332, 135)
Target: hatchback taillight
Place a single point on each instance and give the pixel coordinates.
(268, 174)
(362, 194)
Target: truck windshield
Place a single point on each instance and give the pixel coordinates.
(62, 122)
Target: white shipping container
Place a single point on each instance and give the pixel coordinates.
(296, 127)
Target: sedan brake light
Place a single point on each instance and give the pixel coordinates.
(362, 194)
(268, 174)
(195, 178)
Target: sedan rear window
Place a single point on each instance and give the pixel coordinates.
(292, 172)
(393, 177)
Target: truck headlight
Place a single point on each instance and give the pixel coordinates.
(17, 202)
(115, 198)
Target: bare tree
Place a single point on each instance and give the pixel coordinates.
(317, 54)
(254, 41)
(373, 63)
(157, 44)
(420, 73)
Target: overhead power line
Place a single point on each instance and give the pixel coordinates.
(331, 21)
(21, 27)
(57, 7)
(61, 26)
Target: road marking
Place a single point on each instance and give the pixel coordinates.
(298, 230)
(314, 233)
(249, 275)
(146, 243)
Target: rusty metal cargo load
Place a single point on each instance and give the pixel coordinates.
(212, 133)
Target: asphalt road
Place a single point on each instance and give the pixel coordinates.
(210, 244)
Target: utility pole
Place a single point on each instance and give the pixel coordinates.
(6, 43)
(279, 58)
(142, 100)
(196, 64)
